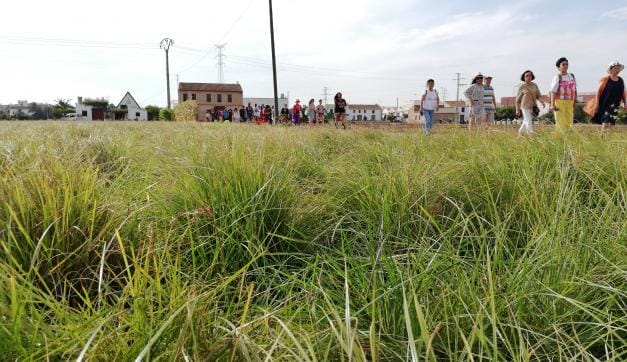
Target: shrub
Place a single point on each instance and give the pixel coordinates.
(166, 114)
(186, 112)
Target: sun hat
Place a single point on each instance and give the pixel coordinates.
(615, 64)
(487, 77)
(478, 75)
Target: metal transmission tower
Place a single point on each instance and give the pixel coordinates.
(220, 58)
(326, 95)
(276, 98)
(459, 84)
(165, 45)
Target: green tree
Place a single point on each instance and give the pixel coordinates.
(38, 111)
(61, 108)
(166, 114)
(153, 112)
(505, 112)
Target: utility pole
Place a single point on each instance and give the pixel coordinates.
(177, 81)
(220, 58)
(444, 92)
(276, 99)
(459, 84)
(165, 45)
(325, 94)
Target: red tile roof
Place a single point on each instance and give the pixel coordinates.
(210, 87)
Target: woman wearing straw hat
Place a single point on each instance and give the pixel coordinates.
(474, 94)
(610, 94)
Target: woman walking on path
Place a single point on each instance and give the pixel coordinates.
(296, 113)
(474, 94)
(429, 104)
(563, 98)
(526, 101)
(320, 111)
(340, 110)
(311, 112)
(610, 94)
(268, 114)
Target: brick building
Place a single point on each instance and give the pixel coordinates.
(212, 96)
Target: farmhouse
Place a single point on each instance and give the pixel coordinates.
(212, 96)
(133, 110)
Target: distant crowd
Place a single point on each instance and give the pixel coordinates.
(264, 113)
(603, 108)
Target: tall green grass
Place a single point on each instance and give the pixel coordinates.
(126, 241)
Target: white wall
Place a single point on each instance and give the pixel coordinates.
(353, 113)
(80, 107)
(132, 114)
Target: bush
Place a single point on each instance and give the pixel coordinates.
(505, 112)
(186, 112)
(153, 112)
(166, 114)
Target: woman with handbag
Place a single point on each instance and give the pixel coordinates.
(611, 93)
(527, 101)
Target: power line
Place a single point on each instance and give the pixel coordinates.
(75, 43)
(208, 52)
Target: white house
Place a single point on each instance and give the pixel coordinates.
(283, 100)
(135, 112)
(83, 111)
(13, 110)
(364, 112)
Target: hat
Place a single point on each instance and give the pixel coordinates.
(478, 75)
(487, 77)
(298, 101)
(615, 64)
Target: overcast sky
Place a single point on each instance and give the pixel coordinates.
(372, 50)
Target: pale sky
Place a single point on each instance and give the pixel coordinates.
(372, 50)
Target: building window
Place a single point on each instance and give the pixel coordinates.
(208, 98)
(137, 114)
(373, 111)
(184, 97)
(229, 98)
(359, 111)
(219, 98)
(84, 113)
(193, 96)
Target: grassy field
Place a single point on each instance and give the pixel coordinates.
(155, 241)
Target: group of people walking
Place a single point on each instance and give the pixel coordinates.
(603, 108)
(315, 113)
(263, 114)
(257, 114)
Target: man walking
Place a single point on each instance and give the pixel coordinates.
(489, 101)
